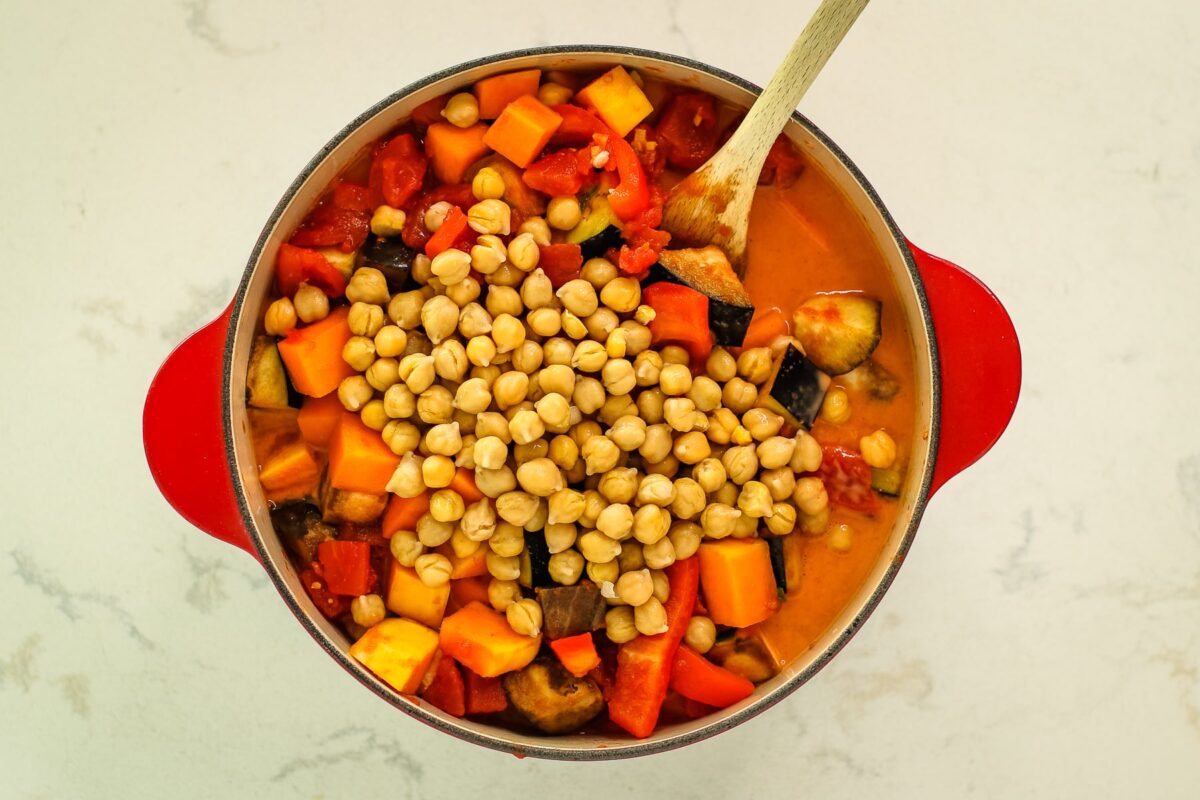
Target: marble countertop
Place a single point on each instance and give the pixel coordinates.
(1043, 639)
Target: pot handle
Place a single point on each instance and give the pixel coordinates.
(184, 436)
(980, 361)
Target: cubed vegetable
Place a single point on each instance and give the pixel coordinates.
(452, 149)
(447, 690)
(496, 92)
(577, 653)
(737, 581)
(313, 354)
(358, 458)
(346, 567)
(795, 388)
(680, 317)
(618, 101)
(408, 597)
(522, 130)
(571, 610)
(468, 590)
(471, 566)
(838, 331)
(551, 698)
(319, 417)
(697, 678)
(342, 505)
(484, 695)
(482, 640)
(266, 383)
(708, 271)
(290, 473)
(402, 513)
(399, 651)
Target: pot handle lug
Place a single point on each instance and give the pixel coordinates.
(980, 360)
(184, 437)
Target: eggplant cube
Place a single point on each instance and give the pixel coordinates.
(796, 387)
(392, 257)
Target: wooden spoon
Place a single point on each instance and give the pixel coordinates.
(712, 205)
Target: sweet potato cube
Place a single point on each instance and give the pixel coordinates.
(408, 597)
(522, 130)
(481, 640)
(359, 461)
(398, 651)
(452, 149)
(617, 100)
(313, 354)
(496, 92)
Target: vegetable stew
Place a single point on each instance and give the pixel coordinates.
(547, 467)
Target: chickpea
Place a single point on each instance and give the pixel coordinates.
(598, 548)
(689, 499)
(504, 300)
(650, 524)
(527, 357)
(507, 332)
(401, 437)
(674, 354)
(554, 411)
(598, 272)
(815, 524)
(437, 471)
(525, 617)
(573, 326)
(692, 448)
(685, 537)
(280, 317)
(739, 396)
(878, 449)
(701, 634)
(579, 297)
(835, 408)
(718, 520)
(589, 356)
(488, 254)
(840, 538)
(526, 426)
(618, 485)
(367, 610)
(544, 321)
(523, 252)
(405, 547)
(593, 504)
(508, 540)
(710, 474)
(600, 454)
(660, 554)
(637, 337)
(614, 345)
(503, 568)
(536, 290)
(446, 505)
(444, 439)
(451, 266)
(464, 292)
(810, 496)
(635, 587)
(490, 452)
(782, 520)
(775, 452)
(421, 271)
(650, 405)
(588, 396)
(650, 617)
(540, 477)
(563, 213)
(367, 285)
(383, 373)
(762, 424)
(502, 594)
(560, 536)
(473, 396)
(564, 451)
(487, 184)
(754, 364)
(481, 351)
(436, 214)
(679, 413)
(435, 405)
(516, 507)
(510, 389)
(619, 624)
(566, 567)
(721, 365)
(373, 415)
(727, 494)
(755, 500)
(492, 423)
(310, 303)
(621, 294)
(433, 569)
(675, 380)
(582, 431)
(704, 393)
(495, 482)
(558, 351)
(721, 425)
(390, 341)
(565, 506)
(478, 521)
(540, 514)
(600, 324)
(741, 464)
(387, 221)
(354, 392)
(628, 432)
(537, 228)
(668, 467)
(780, 482)
(657, 444)
(490, 216)
(405, 309)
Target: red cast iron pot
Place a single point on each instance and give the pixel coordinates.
(967, 359)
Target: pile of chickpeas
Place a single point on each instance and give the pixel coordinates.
(572, 422)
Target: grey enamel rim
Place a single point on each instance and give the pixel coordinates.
(550, 750)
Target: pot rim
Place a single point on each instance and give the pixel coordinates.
(634, 747)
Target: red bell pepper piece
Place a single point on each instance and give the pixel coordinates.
(644, 664)
(331, 605)
(484, 695)
(578, 127)
(346, 567)
(631, 196)
(446, 690)
(687, 132)
(680, 317)
(560, 262)
(297, 265)
(563, 172)
(330, 226)
(695, 677)
(452, 228)
(577, 653)
(847, 479)
(415, 234)
(397, 170)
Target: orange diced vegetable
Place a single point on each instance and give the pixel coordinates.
(617, 100)
(291, 470)
(524, 128)
(358, 458)
(409, 597)
(430, 111)
(481, 640)
(399, 651)
(577, 653)
(468, 590)
(498, 91)
(319, 417)
(463, 482)
(737, 581)
(313, 354)
(403, 512)
(471, 566)
(452, 149)
(766, 327)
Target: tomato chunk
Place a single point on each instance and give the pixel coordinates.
(847, 479)
(397, 170)
(330, 226)
(297, 265)
(346, 567)
(687, 133)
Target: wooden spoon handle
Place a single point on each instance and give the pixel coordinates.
(753, 138)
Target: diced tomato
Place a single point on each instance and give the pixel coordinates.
(415, 234)
(561, 173)
(687, 132)
(450, 231)
(331, 605)
(631, 196)
(297, 265)
(560, 262)
(330, 226)
(352, 197)
(346, 566)
(697, 678)
(648, 152)
(484, 695)
(680, 317)
(847, 479)
(446, 690)
(577, 128)
(783, 165)
(397, 170)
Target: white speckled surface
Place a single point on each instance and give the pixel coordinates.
(1043, 638)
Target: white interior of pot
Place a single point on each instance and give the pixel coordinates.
(585, 746)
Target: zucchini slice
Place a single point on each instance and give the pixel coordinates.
(796, 387)
(874, 379)
(886, 481)
(598, 230)
(838, 331)
(708, 271)
(266, 382)
(775, 545)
